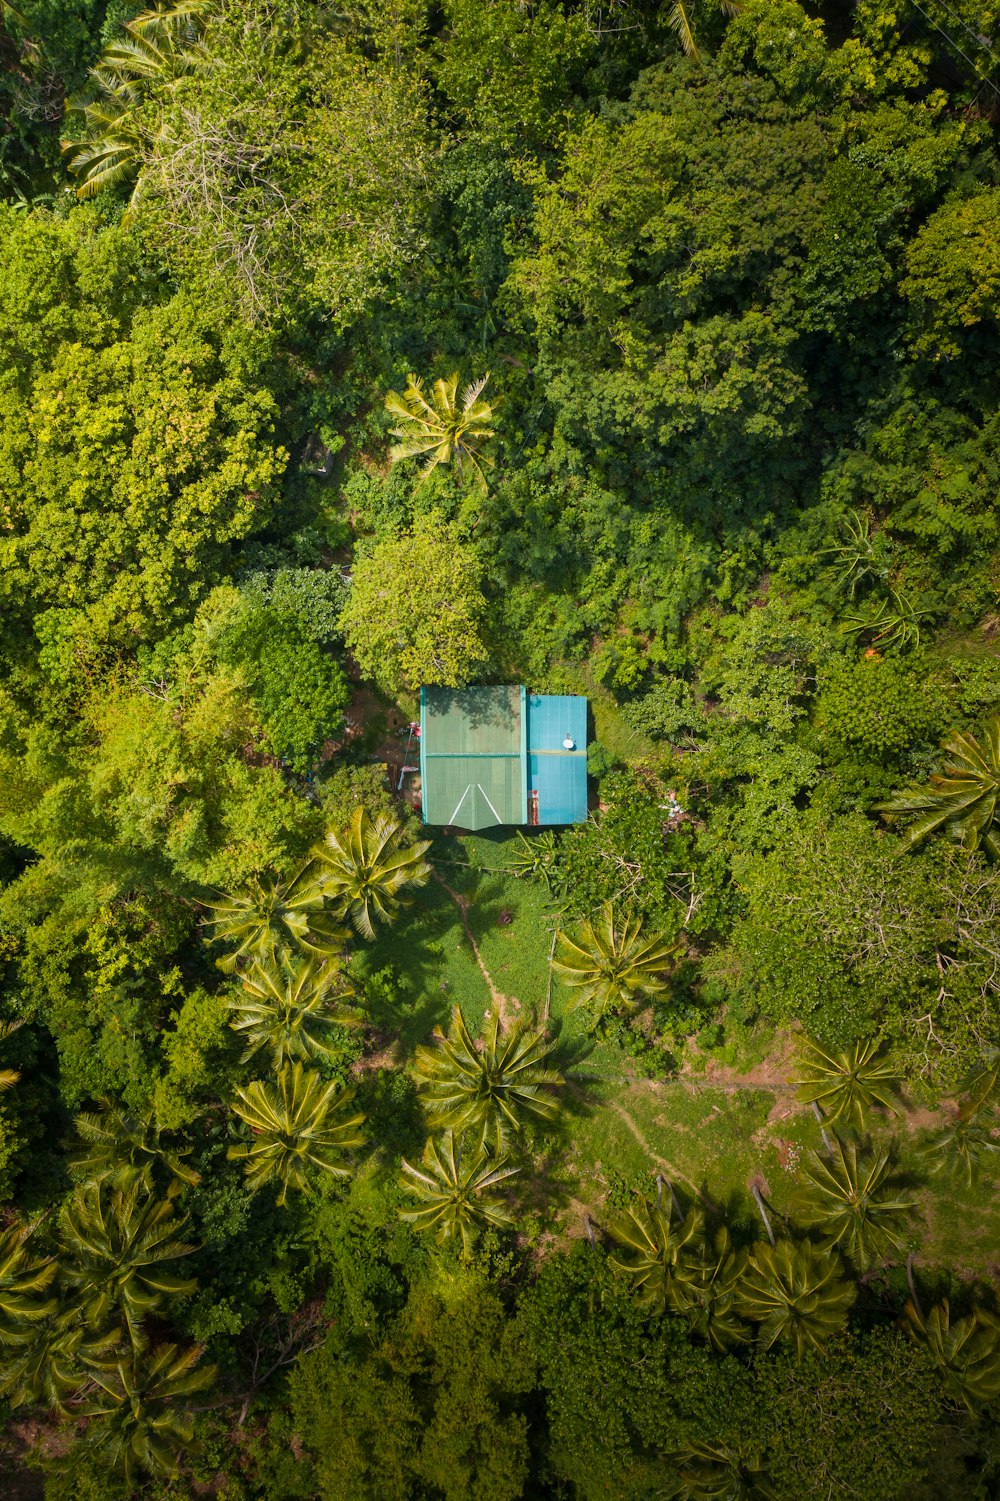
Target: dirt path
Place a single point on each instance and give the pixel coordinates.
(669, 1170)
(505, 1004)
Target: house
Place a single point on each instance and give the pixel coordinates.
(491, 756)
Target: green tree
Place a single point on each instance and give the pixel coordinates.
(23, 1277)
(714, 1472)
(415, 611)
(140, 1420)
(966, 1351)
(851, 1198)
(656, 1253)
(953, 271)
(795, 1292)
(286, 1005)
(364, 869)
(53, 1364)
(846, 1083)
(298, 1122)
(710, 1292)
(116, 1245)
(123, 1148)
(454, 1190)
(488, 1089)
(610, 966)
(441, 428)
(268, 917)
(962, 798)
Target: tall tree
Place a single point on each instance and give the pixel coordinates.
(795, 1292)
(846, 1083)
(489, 1089)
(271, 915)
(962, 798)
(286, 1004)
(364, 869)
(125, 1147)
(967, 1350)
(443, 429)
(654, 1247)
(454, 1190)
(298, 1122)
(140, 1418)
(24, 1277)
(852, 1200)
(610, 965)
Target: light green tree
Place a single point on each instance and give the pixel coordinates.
(139, 1415)
(116, 1247)
(415, 612)
(962, 799)
(298, 1122)
(491, 1088)
(610, 965)
(454, 1189)
(445, 429)
(846, 1083)
(795, 1292)
(364, 870)
(851, 1199)
(285, 1005)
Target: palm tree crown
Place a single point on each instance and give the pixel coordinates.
(442, 428)
(268, 917)
(297, 1121)
(116, 1243)
(610, 965)
(140, 1418)
(654, 1247)
(851, 1200)
(365, 869)
(453, 1190)
(286, 1005)
(846, 1084)
(962, 798)
(124, 1147)
(967, 1350)
(714, 1472)
(487, 1090)
(795, 1292)
(23, 1276)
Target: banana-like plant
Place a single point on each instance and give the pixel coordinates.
(890, 623)
(365, 868)
(24, 1277)
(140, 1419)
(286, 1005)
(654, 1246)
(861, 556)
(123, 1147)
(299, 1121)
(610, 965)
(846, 1083)
(116, 116)
(487, 1090)
(796, 1292)
(443, 428)
(117, 1244)
(851, 1200)
(271, 916)
(715, 1472)
(961, 799)
(967, 1350)
(454, 1190)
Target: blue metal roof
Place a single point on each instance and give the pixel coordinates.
(556, 774)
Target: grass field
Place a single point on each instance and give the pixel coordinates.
(712, 1134)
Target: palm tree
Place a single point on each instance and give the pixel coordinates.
(123, 1147)
(846, 1084)
(967, 1350)
(23, 1276)
(654, 1248)
(713, 1272)
(453, 1190)
(964, 1145)
(714, 1472)
(118, 122)
(116, 1244)
(610, 965)
(441, 428)
(962, 798)
(367, 866)
(140, 1416)
(851, 1199)
(268, 917)
(297, 1121)
(795, 1292)
(490, 1089)
(286, 1005)
(9, 1076)
(56, 1360)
